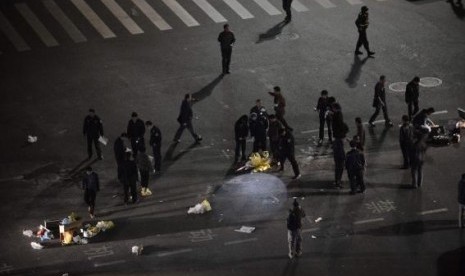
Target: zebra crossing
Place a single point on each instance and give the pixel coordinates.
(44, 25)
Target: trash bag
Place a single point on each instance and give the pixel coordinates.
(28, 233)
(36, 245)
(200, 208)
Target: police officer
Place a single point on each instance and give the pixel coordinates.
(226, 39)
(362, 25)
(355, 165)
(241, 131)
(274, 135)
(130, 178)
(119, 149)
(287, 151)
(279, 106)
(258, 124)
(412, 93)
(93, 129)
(90, 185)
(155, 143)
(185, 120)
(287, 8)
(322, 108)
(136, 131)
(379, 102)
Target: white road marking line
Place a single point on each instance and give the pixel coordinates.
(181, 13)
(123, 17)
(65, 22)
(433, 211)
(368, 220)
(169, 253)
(268, 7)
(440, 112)
(354, 2)
(12, 34)
(39, 28)
(309, 131)
(152, 15)
(93, 19)
(310, 230)
(239, 9)
(326, 4)
(109, 263)
(240, 241)
(296, 5)
(210, 11)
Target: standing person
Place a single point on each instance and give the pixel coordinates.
(412, 93)
(340, 130)
(279, 106)
(287, 151)
(362, 25)
(145, 167)
(461, 198)
(379, 102)
(90, 185)
(417, 157)
(406, 138)
(241, 131)
(136, 131)
(93, 129)
(322, 108)
(360, 133)
(226, 39)
(185, 120)
(130, 179)
(258, 124)
(155, 143)
(294, 229)
(287, 8)
(119, 149)
(274, 136)
(355, 165)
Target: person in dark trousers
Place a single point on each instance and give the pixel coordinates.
(273, 134)
(241, 131)
(258, 124)
(93, 129)
(340, 130)
(406, 138)
(412, 93)
(145, 167)
(362, 25)
(226, 39)
(119, 149)
(155, 143)
(294, 229)
(355, 166)
(185, 120)
(421, 121)
(136, 131)
(461, 198)
(287, 151)
(360, 133)
(90, 185)
(322, 108)
(130, 179)
(279, 106)
(287, 8)
(379, 102)
(417, 157)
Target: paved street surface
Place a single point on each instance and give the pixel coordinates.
(60, 57)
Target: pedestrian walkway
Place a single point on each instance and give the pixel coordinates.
(23, 22)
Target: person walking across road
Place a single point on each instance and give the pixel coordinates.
(322, 107)
(362, 25)
(412, 93)
(136, 131)
(279, 106)
(185, 120)
(355, 166)
(119, 149)
(130, 179)
(90, 185)
(294, 229)
(226, 39)
(145, 167)
(287, 151)
(155, 143)
(461, 199)
(287, 8)
(93, 129)
(406, 138)
(379, 102)
(241, 131)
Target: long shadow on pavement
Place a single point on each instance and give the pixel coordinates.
(457, 8)
(272, 32)
(355, 70)
(206, 91)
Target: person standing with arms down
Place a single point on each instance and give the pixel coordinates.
(294, 229)
(417, 157)
(93, 129)
(340, 130)
(287, 151)
(155, 143)
(90, 185)
(273, 134)
(135, 132)
(406, 138)
(130, 179)
(145, 167)
(287, 8)
(379, 102)
(185, 120)
(412, 93)
(279, 106)
(355, 165)
(258, 124)
(322, 108)
(119, 149)
(226, 39)
(461, 198)
(241, 131)
(360, 134)
(362, 25)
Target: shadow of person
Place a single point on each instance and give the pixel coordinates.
(354, 73)
(207, 90)
(457, 8)
(272, 32)
(169, 158)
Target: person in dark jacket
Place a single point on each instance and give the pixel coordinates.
(360, 134)
(421, 121)
(136, 131)
(412, 93)
(287, 151)
(155, 143)
(145, 167)
(406, 138)
(90, 185)
(461, 199)
(355, 166)
(258, 124)
(417, 157)
(93, 129)
(287, 8)
(119, 149)
(241, 131)
(340, 130)
(279, 106)
(294, 229)
(130, 178)
(362, 25)
(273, 134)
(322, 108)
(226, 39)
(379, 102)
(185, 120)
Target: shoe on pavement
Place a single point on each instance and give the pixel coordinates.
(297, 176)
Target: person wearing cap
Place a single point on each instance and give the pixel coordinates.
(279, 106)
(287, 8)
(461, 199)
(294, 229)
(362, 25)
(287, 151)
(185, 120)
(355, 165)
(155, 143)
(119, 148)
(90, 185)
(379, 102)
(226, 39)
(93, 129)
(135, 132)
(412, 93)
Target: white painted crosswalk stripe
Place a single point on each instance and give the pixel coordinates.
(39, 28)
(239, 9)
(152, 15)
(268, 7)
(12, 34)
(210, 11)
(296, 5)
(354, 2)
(181, 13)
(123, 17)
(65, 22)
(326, 4)
(93, 19)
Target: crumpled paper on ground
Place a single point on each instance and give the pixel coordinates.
(200, 208)
(137, 249)
(36, 245)
(245, 229)
(31, 139)
(28, 233)
(105, 225)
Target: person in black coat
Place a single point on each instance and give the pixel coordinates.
(155, 143)
(258, 124)
(279, 106)
(93, 129)
(287, 151)
(406, 138)
(379, 102)
(90, 185)
(412, 93)
(340, 130)
(287, 8)
(136, 131)
(226, 39)
(119, 148)
(273, 134)
(130, 178)
(241, 131)
(355, 166)
(185, 120)
(461, 199)
(417, 157)
(322, 108)
(362, 25)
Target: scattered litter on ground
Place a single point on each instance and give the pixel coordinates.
(31, 139)
(36, 245)
(137, 249)
(200, 208)
(318, 219)
(245, 229)
(103, 140)
(28, 233)
(257, 162)
(105, 225)
(313, 237)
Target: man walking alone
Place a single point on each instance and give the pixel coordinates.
(93, 129)
(90, 185)
(294, 229)
(379, 102)
(226, 40)
(362, 25)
